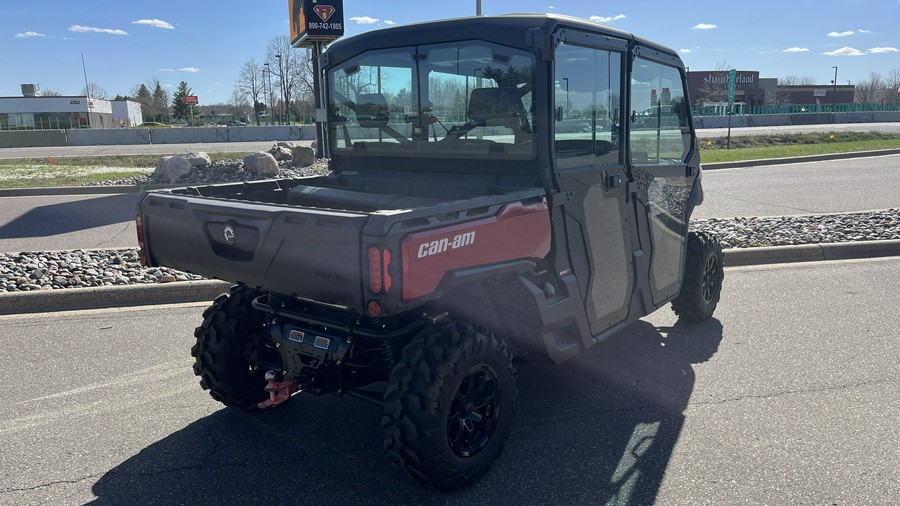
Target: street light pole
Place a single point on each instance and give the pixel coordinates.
(478, 7)
(281, 87)
(834, 90)
(566, 79)
(269, 93)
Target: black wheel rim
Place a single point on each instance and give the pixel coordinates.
(474, 411)
(711, 278)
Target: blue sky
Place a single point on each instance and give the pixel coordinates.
(205, 43)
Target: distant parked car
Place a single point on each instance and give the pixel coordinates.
(155, 124)
(235, 122)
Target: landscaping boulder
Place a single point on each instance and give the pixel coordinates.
(172, 167)
(198, 159)
(304, 156)
(286, 144)
(281, 153)
(261, 163)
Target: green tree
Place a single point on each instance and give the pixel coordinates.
(160, 102)
(179, 108)
(145, 98)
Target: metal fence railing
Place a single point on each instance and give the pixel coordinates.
(719, 110)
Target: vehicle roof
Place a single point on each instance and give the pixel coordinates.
(503, 29)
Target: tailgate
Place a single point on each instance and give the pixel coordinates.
(309, 253)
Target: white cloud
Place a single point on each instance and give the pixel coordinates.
(704, 26)
(86, 29)
(551, 7)
(845, 51)
(189, 69)
(840, 34)
(877, 50)
(167, 70)
(155, 23)
(364, 20)
(389, 22)
(863, 31)
(607, 19)
(684, 51)
(26, 35)
(167, 86)
(795, 50)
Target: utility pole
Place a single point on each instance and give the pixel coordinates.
(833, 91)
(269, 93)
(478, 7)
(281, 87)
(87, 90)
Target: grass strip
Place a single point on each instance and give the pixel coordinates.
(788, 151)
(83, 170)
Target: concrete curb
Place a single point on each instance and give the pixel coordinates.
(83, 190)
(204, 291)
(798, 159)
(44, 301)
(811, 253)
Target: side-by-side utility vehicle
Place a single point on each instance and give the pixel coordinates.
(500, 187)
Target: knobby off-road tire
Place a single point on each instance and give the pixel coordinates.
(449, 405)
(224, 341)
(703, 274)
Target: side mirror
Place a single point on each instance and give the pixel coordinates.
(633, 116)
(559, 113)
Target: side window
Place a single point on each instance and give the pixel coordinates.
(587, 98)
(660, 129)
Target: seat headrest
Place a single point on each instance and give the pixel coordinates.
(494, 106)
(371, 110)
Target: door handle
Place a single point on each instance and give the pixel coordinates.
(614, 181)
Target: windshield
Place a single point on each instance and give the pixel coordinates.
(467, 99)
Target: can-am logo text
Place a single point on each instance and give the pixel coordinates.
(447, 243)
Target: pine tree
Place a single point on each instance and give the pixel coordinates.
(179, 108)
(146, 100)
(160, 102)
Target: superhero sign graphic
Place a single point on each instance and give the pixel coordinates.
(315, 21)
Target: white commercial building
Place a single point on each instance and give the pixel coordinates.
(54, 113)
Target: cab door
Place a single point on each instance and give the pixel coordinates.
(591, 171)
(663, 166)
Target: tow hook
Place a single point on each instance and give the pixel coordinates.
(279, 391)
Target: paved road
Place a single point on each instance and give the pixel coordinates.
(136, 149)
(785, 398)
(106, 221)
(65, 222)
(856, 184)
(256, 146)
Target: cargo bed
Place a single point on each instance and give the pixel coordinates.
(305, 237)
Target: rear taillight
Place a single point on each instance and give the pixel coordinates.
(379, 266)
(139, 225)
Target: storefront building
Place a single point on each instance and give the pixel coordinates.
(709, 90)
(56, 113)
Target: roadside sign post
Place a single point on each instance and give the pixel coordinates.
(732, 77)
(315, 23)
(190, 101)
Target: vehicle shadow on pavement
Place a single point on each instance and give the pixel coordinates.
(599, 429)
(66, 217)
